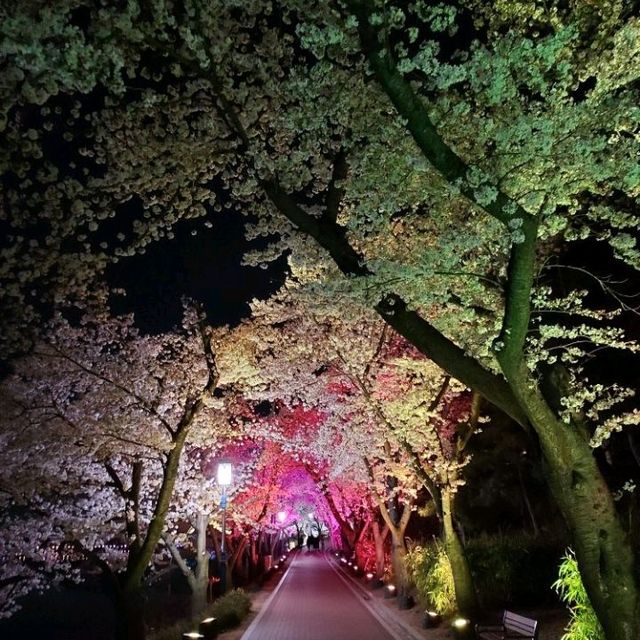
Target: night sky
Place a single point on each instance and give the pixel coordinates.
(205, 266)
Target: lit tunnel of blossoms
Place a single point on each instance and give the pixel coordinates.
(306, 430)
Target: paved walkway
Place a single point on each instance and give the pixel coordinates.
(313, 603)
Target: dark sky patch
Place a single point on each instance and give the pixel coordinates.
(205, 266)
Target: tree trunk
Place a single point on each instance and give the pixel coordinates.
(398, 554)
(130, 624)
(462, 579)
(201, 578)
(603, 550)
(379, 538)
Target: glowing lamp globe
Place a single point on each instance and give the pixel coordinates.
(225, 474)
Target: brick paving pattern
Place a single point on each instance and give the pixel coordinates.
(313, 603)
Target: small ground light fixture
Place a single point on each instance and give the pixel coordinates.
(462, 629)
(369, 576)
(390, 591)
(192, 635)
(431, 619)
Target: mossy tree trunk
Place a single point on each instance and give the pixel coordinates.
(466, 597)
(603, 548)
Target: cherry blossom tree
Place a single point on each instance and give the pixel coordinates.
(364, 391)
(107, 413)
(440, 156)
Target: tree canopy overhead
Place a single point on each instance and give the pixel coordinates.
(443, 156)
(153, 112)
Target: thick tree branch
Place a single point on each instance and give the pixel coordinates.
(179, 560)
(411, 108)
(335, 192)
(521, 273)
(393, 309)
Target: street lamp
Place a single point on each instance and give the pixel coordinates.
(224, 480)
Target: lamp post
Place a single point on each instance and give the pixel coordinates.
(224, 480)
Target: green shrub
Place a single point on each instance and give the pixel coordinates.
(516, 568)
(231, 609)
(429, 570)
(584, 624)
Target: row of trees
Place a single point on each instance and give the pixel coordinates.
(443, 157)
(110, 442)
(93, 465)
